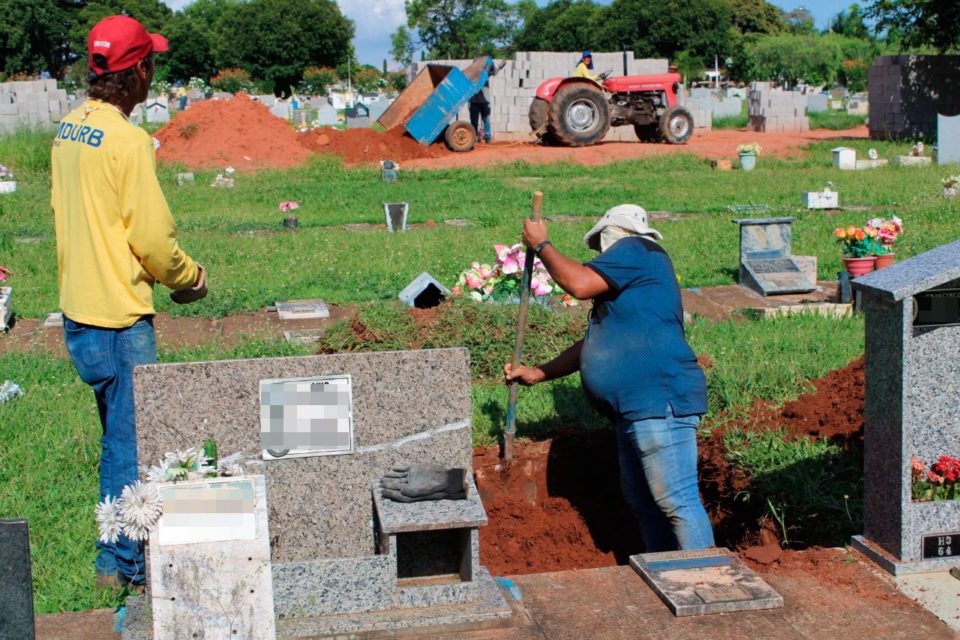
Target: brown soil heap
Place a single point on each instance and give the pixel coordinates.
(366, 145)
(239, 133)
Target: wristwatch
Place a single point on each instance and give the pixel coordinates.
(540, 247)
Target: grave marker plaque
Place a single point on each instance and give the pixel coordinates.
(766, 264)
(302, 309)
(16, 582)
(911, 408)
(396, 215)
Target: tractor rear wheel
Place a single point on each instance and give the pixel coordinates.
(578, 115)
(648, 132)
(539, 109)
(460, 136)
(676, 125)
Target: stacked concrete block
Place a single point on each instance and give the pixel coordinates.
(514, 87)
(31, 103)
(817, 102)
(774, 110)
(907, 92)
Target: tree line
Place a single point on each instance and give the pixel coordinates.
(280, 43)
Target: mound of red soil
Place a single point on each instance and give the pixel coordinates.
(558, 506)
(239, 133)
(366, 145)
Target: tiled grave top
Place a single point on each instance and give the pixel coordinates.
(400, 517)
(745, 221)
(919, 273)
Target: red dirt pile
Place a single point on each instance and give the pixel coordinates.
(366, 145)
(558, 506)
(239, 133)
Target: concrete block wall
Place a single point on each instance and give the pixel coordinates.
(907, 92)
(719, 105)
(31, 103)
(514, 87)
(774, 110)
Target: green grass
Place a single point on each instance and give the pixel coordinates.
(812, 489)
(835, 120)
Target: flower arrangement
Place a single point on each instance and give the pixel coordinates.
(289, 205)
(4, 273)
(138, 509)
(752, 148)
(856, 242)
(501, 281)
(6, 175)
(887, 232)
(939, 483)
(950, 182)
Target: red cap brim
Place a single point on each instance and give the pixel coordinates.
(160, 44)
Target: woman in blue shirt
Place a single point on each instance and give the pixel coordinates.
(637, 368)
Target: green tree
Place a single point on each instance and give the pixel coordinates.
(463, 28)
(850, 23)
(34, 35)
(689, 66)
(152, 13)
(367, 79)
(563, 25)
(756, 16)
(402, 47)
(799, 21)
(191, 49)
(667, 27)
(277, 39)
(397, 80)
(919, 22)
(789, 58)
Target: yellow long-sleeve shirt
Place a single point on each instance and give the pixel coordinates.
(115, 233)
(583, 72)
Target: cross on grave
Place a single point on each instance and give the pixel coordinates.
(342, 561)
(16, 582)
(766, 264)
(911, 409)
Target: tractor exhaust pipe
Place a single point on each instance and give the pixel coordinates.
(623, 46)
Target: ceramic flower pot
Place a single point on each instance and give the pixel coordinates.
(748, 161)
(857, 267)
(884, 260)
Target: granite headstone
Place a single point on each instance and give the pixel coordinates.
(912, 408)
(948, 139)
(16, 582)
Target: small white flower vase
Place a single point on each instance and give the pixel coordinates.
(8, 186)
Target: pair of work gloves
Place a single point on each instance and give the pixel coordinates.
(197, 292)
(418, 482)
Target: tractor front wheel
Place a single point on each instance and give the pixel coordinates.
(676, 125)
(460, 136)
(578, 115)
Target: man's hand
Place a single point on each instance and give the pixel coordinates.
(197, 292)
(534, 232)
(527, 376)
(417, 482)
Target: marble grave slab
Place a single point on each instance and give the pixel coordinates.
(16, 582)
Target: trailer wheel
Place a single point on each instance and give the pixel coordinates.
(578, 115)
(460, 136)
(676, 125)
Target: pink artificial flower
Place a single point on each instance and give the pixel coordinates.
(4, 273)
(456, 291)
(934, 478)
(289, 205)
(473, 280)
(568, 300)
(539, 285)
(917, 468)
(501, 250)
(485, 271)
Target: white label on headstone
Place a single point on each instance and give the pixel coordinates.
(306, 417)
(214, 511)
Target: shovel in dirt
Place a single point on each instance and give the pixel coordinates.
(511, 429)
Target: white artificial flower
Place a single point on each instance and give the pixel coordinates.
(159, 473)
(135, 532)
(140, 507)
(108, 517)
(230, 466)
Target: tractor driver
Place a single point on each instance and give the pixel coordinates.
(585, 67)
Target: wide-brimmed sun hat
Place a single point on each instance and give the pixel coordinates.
(629, 217)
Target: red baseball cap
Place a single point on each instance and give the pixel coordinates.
(124, 42)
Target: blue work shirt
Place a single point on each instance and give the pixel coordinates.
(635, 358)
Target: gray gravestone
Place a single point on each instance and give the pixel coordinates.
(766, 264)
(378, 107)
(948, 139)
(817, 102)
(333, 571)
(423, 292)
(912, 408)
(16, 582)
(396, 215)
(326, 115)
(157, 110)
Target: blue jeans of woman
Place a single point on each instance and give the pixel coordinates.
(658, 477)
(105, 359)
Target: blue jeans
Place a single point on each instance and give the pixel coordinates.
(658, 477)
(105, 359)
(478, 111)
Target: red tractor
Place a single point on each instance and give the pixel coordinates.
(576, 112)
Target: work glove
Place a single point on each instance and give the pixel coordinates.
(417, 482)
(194, 293)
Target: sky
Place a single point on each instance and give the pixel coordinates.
(375, 20)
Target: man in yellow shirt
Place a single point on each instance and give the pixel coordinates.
(115, 239)
(585, 68)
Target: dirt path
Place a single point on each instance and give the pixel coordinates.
(719, 144)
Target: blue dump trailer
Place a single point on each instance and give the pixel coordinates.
(428, 108)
